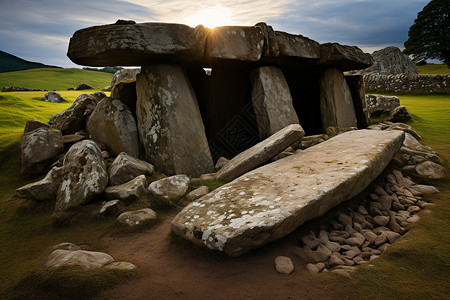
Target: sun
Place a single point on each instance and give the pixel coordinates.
(212, 17)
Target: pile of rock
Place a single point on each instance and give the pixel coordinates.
(19, 89)
(359, 235)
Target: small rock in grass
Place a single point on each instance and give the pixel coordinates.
(137, 217)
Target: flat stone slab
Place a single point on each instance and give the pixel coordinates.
(272, 201)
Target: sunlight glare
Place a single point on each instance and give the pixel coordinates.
(212, 17)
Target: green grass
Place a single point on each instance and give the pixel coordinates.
(433, 69)
(55, 79)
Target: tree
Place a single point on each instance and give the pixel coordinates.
(429, 36)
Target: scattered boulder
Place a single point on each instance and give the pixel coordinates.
(400, 114)
(379, 104)
(43, 190)
(19, 89)
(99, 96)
(430, 170)
(284, 265)
(85, 259)
(113, 124)
(137, 217)
(111, 208)
(53, 97)
(129, 191)
(74, 118)
(84, 86)
(125, 167)
(391, 61)
(84, 175)
(197, 193)
(37, 150)
(260, 153)
(169, 190)
(33, 125)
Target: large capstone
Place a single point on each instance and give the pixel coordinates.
(169, 122)
(84, 175)
(344, 57)
(272, 201)
(113, 124)
(336, 103)
(37, 150)
(272, 101)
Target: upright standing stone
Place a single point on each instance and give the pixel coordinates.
(356, 85)
(169, 122)
(336, 103)
(272, 101)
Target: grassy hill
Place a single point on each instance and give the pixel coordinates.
(9, 62)
(55, 79)
(433, 69)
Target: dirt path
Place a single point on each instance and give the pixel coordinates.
(168, 270)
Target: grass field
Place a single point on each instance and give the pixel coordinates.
(433, 69)
(416, 267)
(55, 79)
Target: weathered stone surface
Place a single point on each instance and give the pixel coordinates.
(336, 104)
(43, 190)
(221, 162)
(111, 208)
(272, 101)
(272, 201)
(113, 124)
(135, 44)
(379, 104)
(412, 143)
(169, 190)
(169, 122)
(72, 138)
(400, 114)
(243, 43)
(120, 265)
(74, 118)
(408, 84)
(197, 193)
(413, 157)
(284, 265)
(84, 175)
(404, 127)
(126, 92)
(99, 95)
(356, 86)
(425, 189)
(53, 97)
(125, 168)
(66, 246)
(137, 217)
(430, 170)
(260, 153)
(84, 86)
(391, 61)
(128, 191)
(344, 57)
(37, 149)
(33, 124)
(123, 75)
(298, 46)
(270, 41)
(85, 259)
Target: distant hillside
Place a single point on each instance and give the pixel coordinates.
(9, 63)
(55, 79)
(433, 69)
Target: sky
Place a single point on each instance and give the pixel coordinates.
(40, 30)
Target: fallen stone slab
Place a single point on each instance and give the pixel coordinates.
(344, 57)
(272, 201)
(261, 152)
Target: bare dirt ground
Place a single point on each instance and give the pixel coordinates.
(170, 270)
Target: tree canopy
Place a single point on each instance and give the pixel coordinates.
(429, 36)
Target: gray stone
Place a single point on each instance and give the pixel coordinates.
(169, 122)
(311, 241)
(244, 43)
(128, 191)
(391, 236)
(169, 191)
(113, 124)
(71, 139)
(315, 268)
(125, 167)
(85, 259)
(344, 57)
(197, 193)
(53, 97)
(412, 143)
(381, 220)
(137, 217)
(336, 104)
(369, 235)
(391, 61)
(400, 114)
(404, 127)
(84, 175)
(284, 265)
(296, 46)
(425, 189)
(120, 265)
(260, 153)
(33, 124)
(125, 75)
(311, 140)
(430, 170)
(42, 190)
(37, 150)
(111, 208)
(379, 104)
(272, 201)
(221, 162)
(408, 156)
(74, 118)
(413, 219)
(99, 95)
(135, 44)
(272, 101)
(66, 246)
(84, 86)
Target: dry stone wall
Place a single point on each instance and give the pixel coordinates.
(408, 84)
